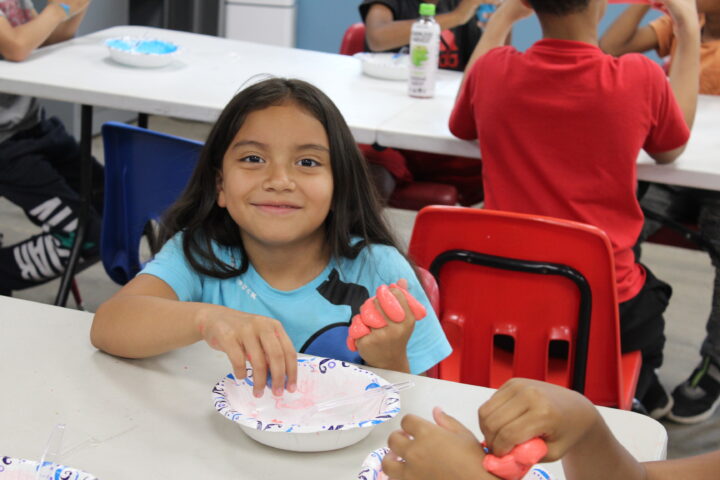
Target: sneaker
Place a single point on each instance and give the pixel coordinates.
(697, 398)
(657, 401)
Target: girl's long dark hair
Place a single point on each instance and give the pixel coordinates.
(355, 208)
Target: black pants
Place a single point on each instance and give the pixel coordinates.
(40, 173)
(642, 327)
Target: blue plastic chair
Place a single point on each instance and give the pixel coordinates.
(145, 172)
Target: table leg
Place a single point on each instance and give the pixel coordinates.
(86, 201)
(143, 120)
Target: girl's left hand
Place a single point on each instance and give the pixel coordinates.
(386, 346)
(428, 451)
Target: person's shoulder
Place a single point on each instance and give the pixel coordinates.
(493, 59)
(379, 249)
(639, 65)
(382, 258)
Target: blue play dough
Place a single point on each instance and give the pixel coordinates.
(147, 47)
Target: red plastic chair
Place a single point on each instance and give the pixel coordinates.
(541, 283)
(415, 195)
(353, 40)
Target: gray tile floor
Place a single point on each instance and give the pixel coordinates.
(689, 272)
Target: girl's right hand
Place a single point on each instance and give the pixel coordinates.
(260, 340)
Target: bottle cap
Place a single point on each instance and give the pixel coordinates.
(427, 9)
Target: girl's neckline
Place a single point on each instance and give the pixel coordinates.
(311, 285)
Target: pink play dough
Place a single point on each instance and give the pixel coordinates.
(516, 464)
(390, 304)
(370, 317)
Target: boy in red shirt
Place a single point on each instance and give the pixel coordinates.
(561, 126)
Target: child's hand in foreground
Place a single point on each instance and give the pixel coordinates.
(523, 409)
(430, 451)
(387, 320)
(260, 340)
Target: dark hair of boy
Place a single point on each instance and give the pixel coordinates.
(558, 7)
(355, 208)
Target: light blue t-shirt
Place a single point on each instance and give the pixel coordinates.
(317, 315)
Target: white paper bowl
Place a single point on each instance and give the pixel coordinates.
(372, 466)
(388, 66)
(141, 52)
(21, 469)
(290, 423)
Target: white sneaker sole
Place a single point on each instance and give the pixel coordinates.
(701, 417)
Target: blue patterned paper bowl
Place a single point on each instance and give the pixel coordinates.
(141, 52)
(372, 466)
(21, 469)
(291, 423)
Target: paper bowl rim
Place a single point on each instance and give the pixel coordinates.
(390, 403)
(77, 474)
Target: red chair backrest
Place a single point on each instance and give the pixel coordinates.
(354, 39)
(478, 303)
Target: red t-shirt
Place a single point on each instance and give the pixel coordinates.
(560, 128)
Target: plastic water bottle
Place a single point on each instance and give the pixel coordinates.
(424, 51)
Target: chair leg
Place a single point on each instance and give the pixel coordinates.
(76, 295)
(689, 235)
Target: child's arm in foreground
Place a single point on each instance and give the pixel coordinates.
(444, 449)
(17, 43)
(145, 318)
(574, 431)
(382, 32)
(624, 35)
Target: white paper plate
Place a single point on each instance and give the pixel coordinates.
(289, 423)
(141, 52)
(388, 66)
(21, 469)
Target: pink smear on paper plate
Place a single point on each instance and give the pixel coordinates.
(303, 398)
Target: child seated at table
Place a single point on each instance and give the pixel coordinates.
(560, 128)
(387, 28)
(276, 243)
(697, 398)
(521, 410)
(39, 160)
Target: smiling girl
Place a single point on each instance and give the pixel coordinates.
(272, 248)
